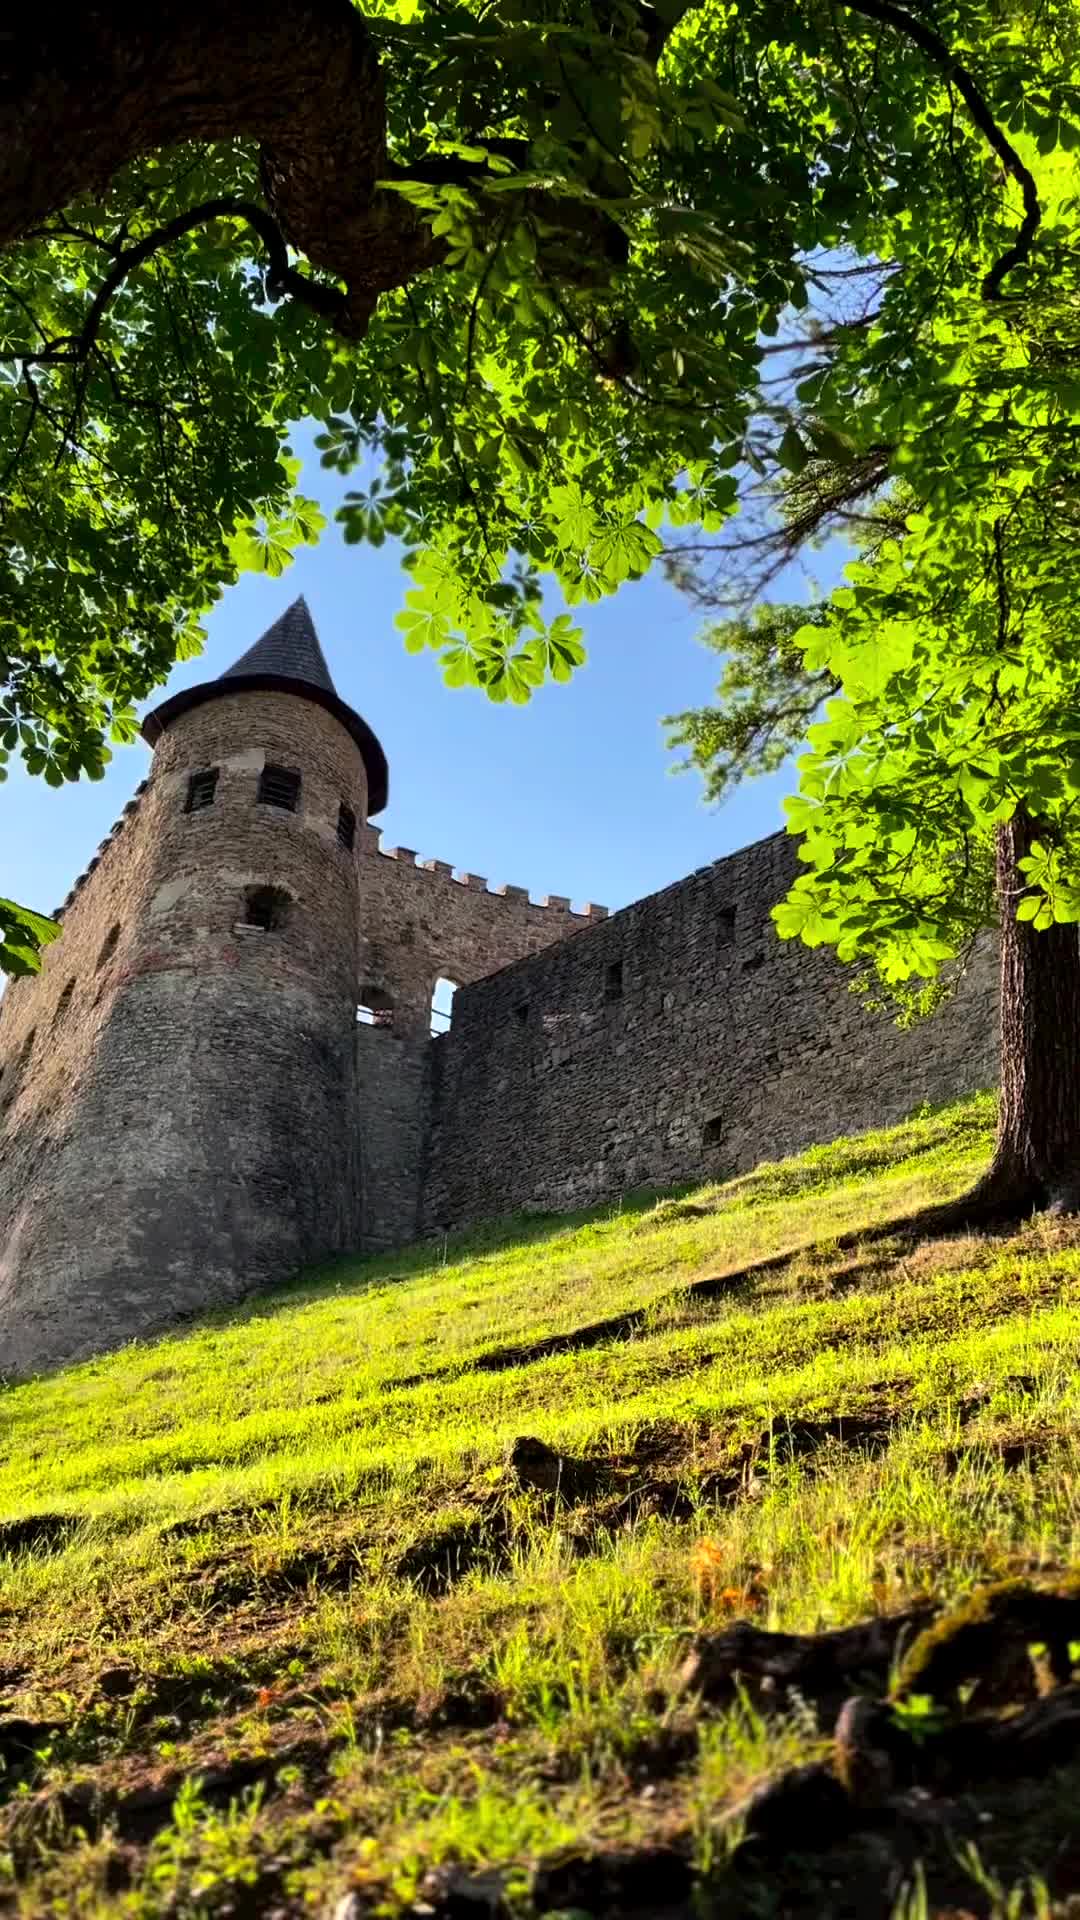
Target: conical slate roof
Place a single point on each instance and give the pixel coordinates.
(290, 648)
(286, 659)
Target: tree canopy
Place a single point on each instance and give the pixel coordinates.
(537, 268)
(936, 693)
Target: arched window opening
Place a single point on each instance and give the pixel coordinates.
(108, 946)
(442, 1004)
(63, 1003)
(279, 787)
(375, 1008)
(266, 908)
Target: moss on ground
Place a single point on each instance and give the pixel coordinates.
(286, 1615)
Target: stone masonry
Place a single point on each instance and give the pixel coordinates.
(683, 1040)
(190, 1110)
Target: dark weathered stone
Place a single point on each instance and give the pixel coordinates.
(454, 1893)
(799, 1812)
(117, 1682)
(638, 1880)
(21, 1739)
(704, 1065)
(822, 1668)
(37, 1532)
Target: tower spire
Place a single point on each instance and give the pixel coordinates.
(289, 650)
(287, 658)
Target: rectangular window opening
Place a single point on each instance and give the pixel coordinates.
(725, 926)
(346, 827)
(521, 1013)
(266, 908)
(613, 981)
(201, 789)
(279, 787)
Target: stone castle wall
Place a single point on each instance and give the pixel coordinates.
(179, 1087)
(419, 922)
(189, 1109)
(681, 1040)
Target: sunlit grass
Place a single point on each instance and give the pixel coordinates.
(294, 1529)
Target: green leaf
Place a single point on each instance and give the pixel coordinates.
(791, 452)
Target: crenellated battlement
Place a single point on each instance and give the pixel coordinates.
(94, 863)
(370, 844)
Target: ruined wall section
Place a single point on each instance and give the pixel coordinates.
(195, 1140)
(682, 1040)
(421, 921)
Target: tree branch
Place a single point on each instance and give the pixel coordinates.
(282, 278)
(963, 80)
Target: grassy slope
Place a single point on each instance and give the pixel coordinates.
(291, 1625)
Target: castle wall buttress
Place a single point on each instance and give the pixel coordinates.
(177, 1128)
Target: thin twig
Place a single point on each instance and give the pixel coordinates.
(282, 278)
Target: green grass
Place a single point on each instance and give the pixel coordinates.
(291, 1625)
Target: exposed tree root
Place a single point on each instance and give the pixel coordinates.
(997, 1200)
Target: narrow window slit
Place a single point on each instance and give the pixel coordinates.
(266, 908)
(63, 1004)
(442, 1004)
(108, 946)
(375, 1008)
(201, 789)
(613, 981)
(279, 787)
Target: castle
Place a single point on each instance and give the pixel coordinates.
(225, 1068)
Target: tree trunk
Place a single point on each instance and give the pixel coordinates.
(82, 96)
(1037, 1161)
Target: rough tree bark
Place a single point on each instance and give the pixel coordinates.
(1037, 1161)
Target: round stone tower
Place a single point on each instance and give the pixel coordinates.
(192, 1120)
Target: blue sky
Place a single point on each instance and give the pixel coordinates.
(573, 794)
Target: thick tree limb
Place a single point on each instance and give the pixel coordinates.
(85, 96)
(964, 81)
